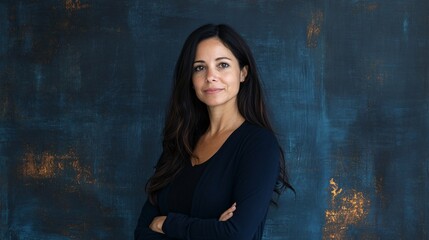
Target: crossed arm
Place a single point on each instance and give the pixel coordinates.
(157, 222)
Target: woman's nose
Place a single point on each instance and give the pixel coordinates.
(211, 75)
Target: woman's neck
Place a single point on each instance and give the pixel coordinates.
(224, 120)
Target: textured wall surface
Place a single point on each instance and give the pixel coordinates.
(84, 85)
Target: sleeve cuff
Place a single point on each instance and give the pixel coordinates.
(176, 225)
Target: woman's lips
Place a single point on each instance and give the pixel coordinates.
(212, 90)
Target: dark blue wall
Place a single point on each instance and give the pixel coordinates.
(84, 85)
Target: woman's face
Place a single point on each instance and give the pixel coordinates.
(216, 74)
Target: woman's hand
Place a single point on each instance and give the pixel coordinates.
(156, 224)
(228, 213)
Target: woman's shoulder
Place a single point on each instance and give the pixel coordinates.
(255, 132)
(257, 142)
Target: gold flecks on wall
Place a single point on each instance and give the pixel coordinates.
(73, 5)
(314, 29)
(347, 208)
(335, 189)
(49, 165)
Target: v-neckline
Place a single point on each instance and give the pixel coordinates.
(221, 147)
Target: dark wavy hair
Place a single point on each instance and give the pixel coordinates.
(187, 117)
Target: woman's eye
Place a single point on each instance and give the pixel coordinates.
(198, 68)
(223, 65)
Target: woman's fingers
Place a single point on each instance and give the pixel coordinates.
(228, 213)
(156, 224)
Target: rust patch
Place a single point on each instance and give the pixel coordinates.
(379, 183)
(364, 6)
(371, 7)
(350, 209)
(314, 29)
(74, 5)
(375, 75)
(49, 165)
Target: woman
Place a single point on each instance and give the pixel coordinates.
(220, 161)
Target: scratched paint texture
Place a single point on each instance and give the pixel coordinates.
(84, 85)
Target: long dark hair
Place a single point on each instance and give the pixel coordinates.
(187, 117)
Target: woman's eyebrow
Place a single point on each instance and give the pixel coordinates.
(221, 58)
(217, 59)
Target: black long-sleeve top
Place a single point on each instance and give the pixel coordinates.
(244, 170)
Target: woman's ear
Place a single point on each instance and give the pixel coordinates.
(243, 73)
